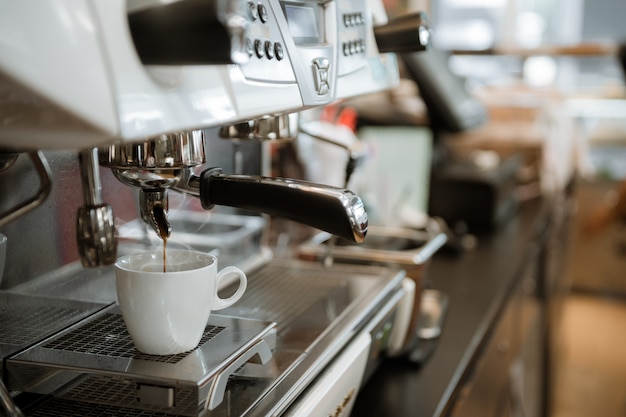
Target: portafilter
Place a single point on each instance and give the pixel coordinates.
(169, 161)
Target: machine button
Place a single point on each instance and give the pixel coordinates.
(279, 51)
(262, 13)
(321, 67)
(249, 47)
(321, 63)
(258, 48)
(346, 49)
(346, 20)
(254, 12)
(323, 74)
(269, 49)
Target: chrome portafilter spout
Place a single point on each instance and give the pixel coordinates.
(168, 162)
(154, 166)
(153, 208)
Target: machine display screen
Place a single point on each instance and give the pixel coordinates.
(305, 22)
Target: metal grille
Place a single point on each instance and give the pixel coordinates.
(300, 289)
(63, 408)
(122, 393)
(107, 336)
(21, 324)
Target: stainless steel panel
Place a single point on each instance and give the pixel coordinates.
(317, 312)
(26, 319)
(98, 355)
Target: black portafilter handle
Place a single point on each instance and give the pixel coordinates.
(190, 32)
(335, 210)
(408, 33)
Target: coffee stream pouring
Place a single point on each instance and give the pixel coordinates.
(168, 162)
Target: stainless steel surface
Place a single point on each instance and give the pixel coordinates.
(9, 406)
(167, 162)
(310, 331)
(153, 207)
(95, 226)
(98, 353)
(155, 163)
(43, 171)
(234, 238)
(384, 246)
(281, 127)
(339, 303)
(409, 249)
(27, 318)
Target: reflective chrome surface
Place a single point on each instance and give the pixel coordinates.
(95, 226)
(282, 127)
(310, 331)
(40, 164)
(157, 162)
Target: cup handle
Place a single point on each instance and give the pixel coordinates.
(220, 303)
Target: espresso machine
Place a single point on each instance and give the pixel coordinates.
(122, 103)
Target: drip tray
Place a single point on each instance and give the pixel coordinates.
(95, 362)
(25, 319)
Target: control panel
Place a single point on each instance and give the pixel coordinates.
(130, 69)
(268, 59)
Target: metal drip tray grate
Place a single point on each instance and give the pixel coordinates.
(27, 319)
(95, 362)
(63, 408)
(107, 336)
(301, 288)
(23, 323)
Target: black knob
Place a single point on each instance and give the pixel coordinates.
(191, 32)
(408, 33)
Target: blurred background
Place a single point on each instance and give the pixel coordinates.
(555, 64)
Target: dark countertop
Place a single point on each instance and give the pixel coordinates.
(477, 283)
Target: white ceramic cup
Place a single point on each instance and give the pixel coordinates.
(166, 312)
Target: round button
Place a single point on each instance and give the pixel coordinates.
(346, 49)
(278, 51)
(254, 12)
(269, 49)
(262, 13)
(258, 48)
(360, 46)
(249, 47)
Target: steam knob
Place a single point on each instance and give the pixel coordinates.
(191, 32)
(409, 33)
(95, 226)
(97, 244)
